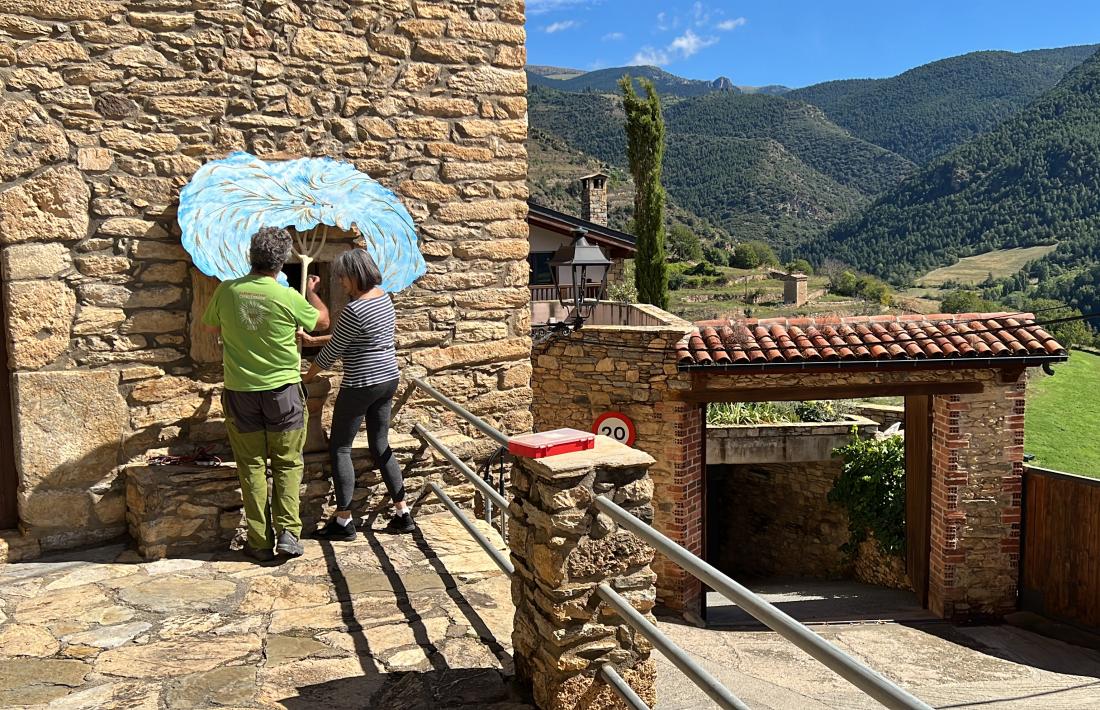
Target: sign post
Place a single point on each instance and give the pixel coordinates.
(617, 426)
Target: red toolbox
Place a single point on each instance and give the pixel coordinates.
(551, 443)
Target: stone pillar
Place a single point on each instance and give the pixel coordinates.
(563, 548)
(679, 509)
(977, 483)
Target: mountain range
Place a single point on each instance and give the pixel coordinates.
(786, 165)
(1034, 179)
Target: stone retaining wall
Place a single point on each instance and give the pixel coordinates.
(178, 510)
(107, 107)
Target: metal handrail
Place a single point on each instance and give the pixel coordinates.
(501, 561)
(859, 675)
(622, 688)
(706, 682)
(484, 488)
(461, 411)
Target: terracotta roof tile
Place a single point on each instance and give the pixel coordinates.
(867, 338)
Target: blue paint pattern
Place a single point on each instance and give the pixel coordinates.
(227, 200)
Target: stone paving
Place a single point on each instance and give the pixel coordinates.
(419, 621)
(424, 622)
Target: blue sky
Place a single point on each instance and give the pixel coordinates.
(795, 42)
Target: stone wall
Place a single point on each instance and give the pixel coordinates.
(631, 369)
(108, 107)
(775, 520)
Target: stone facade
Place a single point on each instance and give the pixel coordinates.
(109, 106)
(563, 549)
(776, 521)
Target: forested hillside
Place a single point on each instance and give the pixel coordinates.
(759, 166)
(1033, 180)
(928, 110)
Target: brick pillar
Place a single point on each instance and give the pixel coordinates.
(562, 549)
(977, 482)
(678, 505)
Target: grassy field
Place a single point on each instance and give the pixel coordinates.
(1063, 417)
(974, 269)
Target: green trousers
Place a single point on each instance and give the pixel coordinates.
(253, 447)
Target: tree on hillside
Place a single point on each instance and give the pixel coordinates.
(800, 266)
(645, 148)
(961, 301)
(749, 255)
(683, 245)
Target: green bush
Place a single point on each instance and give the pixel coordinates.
(872, 489)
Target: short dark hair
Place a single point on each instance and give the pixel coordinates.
(358, 266)
(270, 249)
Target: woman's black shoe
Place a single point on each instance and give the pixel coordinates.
(401, 523)
(333, 530)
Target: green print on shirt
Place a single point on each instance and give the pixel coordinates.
(252, 309)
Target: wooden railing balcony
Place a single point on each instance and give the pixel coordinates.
(548, 292)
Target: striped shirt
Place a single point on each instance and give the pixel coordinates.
(363, 339)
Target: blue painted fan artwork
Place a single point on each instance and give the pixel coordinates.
(228, 200)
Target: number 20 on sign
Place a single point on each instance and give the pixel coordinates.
(617, 426)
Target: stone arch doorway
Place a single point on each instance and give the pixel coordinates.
(9, 476)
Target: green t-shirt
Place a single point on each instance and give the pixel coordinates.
(258, 318)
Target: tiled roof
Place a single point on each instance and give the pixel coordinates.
(868, 339)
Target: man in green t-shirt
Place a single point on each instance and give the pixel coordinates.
(264, 403)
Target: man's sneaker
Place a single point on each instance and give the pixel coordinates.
(333, 530)
(401, 523)
(288, 545)
(265, 555)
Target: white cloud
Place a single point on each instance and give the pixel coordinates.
(613, 37)
(684, 46)
(647, 56)
(665, 23)
(560, 26)
(701, 14)
(728, 25)
(690, 43)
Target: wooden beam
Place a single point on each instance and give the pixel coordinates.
(778, 394)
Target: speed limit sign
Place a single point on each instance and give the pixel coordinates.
(617, 426)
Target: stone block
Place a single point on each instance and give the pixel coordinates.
(50, 207)
(34, 261)
(69, 425)
(331, 47)
(39, 322)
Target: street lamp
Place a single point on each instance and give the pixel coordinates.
(575, 266)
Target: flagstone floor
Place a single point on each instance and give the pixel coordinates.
(419, 621)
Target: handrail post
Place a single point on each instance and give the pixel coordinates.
(563, 549)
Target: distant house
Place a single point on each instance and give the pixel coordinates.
(551, 229)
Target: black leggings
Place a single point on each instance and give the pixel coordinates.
(353, 404)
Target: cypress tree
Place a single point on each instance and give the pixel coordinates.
(645, 149)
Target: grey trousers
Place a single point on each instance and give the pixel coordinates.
(354, 404)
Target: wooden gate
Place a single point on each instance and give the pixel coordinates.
(918, 492)
(1060, 550)
(9, 478)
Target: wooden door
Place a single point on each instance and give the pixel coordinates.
(9, 478)
(918, 491)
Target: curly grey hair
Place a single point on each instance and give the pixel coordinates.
(270, 249)
(358, 266)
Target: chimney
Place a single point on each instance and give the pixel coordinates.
(594, 198)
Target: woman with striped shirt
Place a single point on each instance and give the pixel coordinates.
(364, 339)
